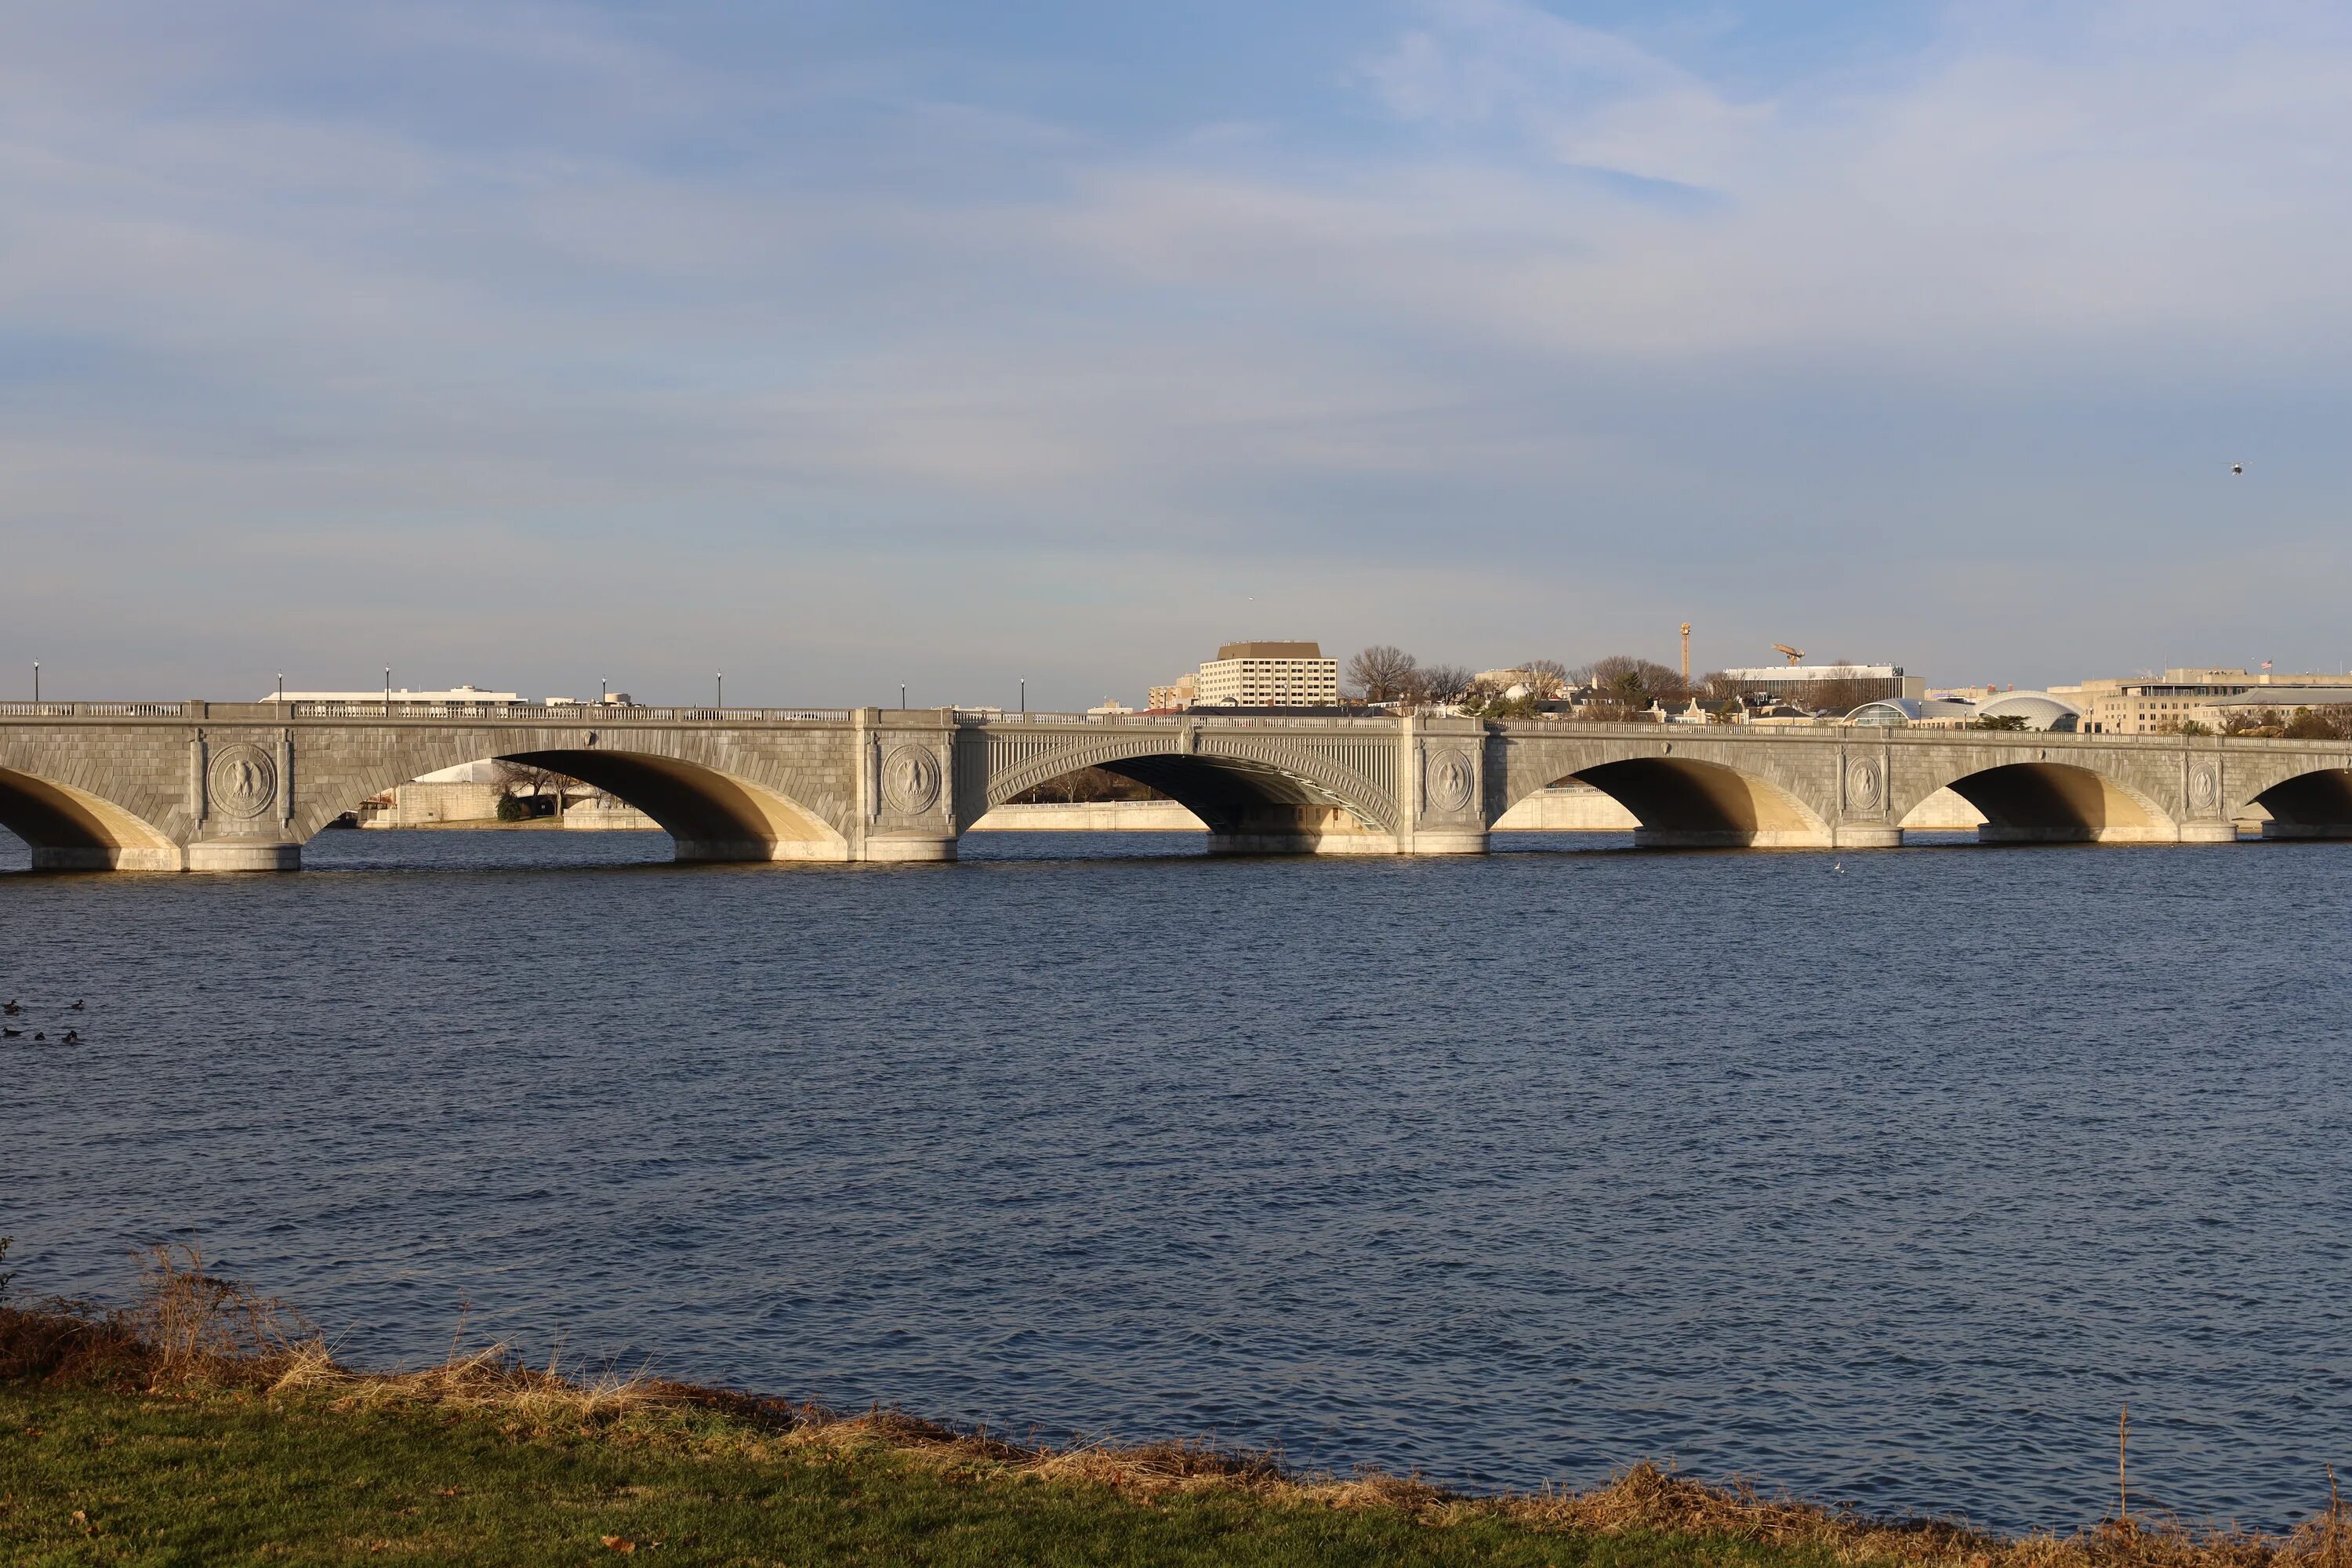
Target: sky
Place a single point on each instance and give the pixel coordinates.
(838, 346)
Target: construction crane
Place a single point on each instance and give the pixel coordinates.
(1796, 655)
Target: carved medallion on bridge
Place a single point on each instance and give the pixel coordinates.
(1451, 781)
(910, 779)
(1865, 790)
(244, 781)
(2204, 790)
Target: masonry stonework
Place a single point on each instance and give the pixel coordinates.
(213, 786)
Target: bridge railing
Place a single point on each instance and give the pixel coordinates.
(560, 712)
(91, 709)
(1198, 716)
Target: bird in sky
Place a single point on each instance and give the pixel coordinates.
(2237, 468)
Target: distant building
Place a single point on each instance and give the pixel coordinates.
(2040, 709)
(1915, 712)
(455, 694)
(1269, 674)
(2155, 705)
(1109, 708)
(1175, 697)
(1839, 686)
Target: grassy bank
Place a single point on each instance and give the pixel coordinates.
(205, 1425)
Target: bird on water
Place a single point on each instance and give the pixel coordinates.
(73, 1038)
(77, 1005)
(10, 1034)
(10, 1007)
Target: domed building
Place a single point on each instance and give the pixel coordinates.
(2037, 708)
(1929, 712)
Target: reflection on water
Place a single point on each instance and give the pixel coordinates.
(1884, 1177)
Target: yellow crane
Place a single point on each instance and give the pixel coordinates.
(1796, 655)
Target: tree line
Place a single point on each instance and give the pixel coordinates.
(2333, 723)
(1619, 684)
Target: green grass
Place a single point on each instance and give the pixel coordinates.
(94, 1475)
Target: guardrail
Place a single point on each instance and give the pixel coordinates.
(1208, 716)
(571, 714)
(91, 709)
(560, 712)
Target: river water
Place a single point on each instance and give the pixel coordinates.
(1884, 1177)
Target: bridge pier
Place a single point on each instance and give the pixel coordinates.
(242, 854)
(907, 848)
(1448, 841)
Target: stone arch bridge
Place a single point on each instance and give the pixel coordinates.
(209, 786)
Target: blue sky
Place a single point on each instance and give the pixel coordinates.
(841, 345)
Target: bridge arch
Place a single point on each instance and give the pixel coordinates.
(1281, 799)
(1683, 803)
(70, 829)
(2044, 802)
(2315, 804)
(710, 813)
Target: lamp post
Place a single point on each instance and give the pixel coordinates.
(387, 692)
(721, 678)
(36, 681)
(1024, 699)
(902, 696)
(603, 685)
(281, 689)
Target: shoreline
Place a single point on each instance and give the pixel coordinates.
(151, 1423)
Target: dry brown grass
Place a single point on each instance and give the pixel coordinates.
(190, 1327)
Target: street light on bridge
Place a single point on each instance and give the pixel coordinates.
(37, 680)
(721, 678)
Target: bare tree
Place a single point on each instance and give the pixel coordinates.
(1629, 678)
(1383, 673)
(1085, 787)
(529, 781)
(1440, 683)
(1547, 678)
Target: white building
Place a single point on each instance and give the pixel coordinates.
(1852, 684)
(455, 694)
(1269, 674)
